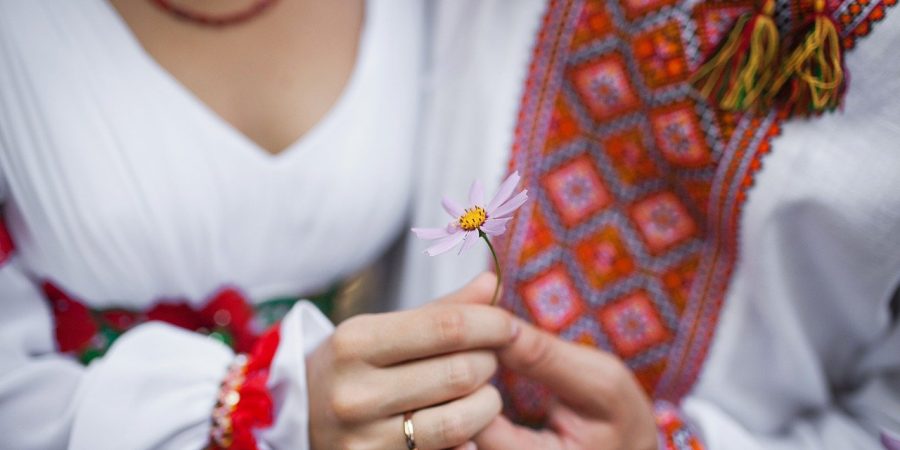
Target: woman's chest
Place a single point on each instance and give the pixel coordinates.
(120, 188)
(270, 76)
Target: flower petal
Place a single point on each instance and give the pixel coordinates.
(476, 194)
(445, 244)
(504, 191)
(510, 206)
(470, 239)
(451, 207)
(495, 227)
(431, 233)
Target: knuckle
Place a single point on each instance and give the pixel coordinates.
(461, 375)
(495, 399)
(539, 354)
(353, 442)
(345, 442)
(505, 324)
(451, 325)
(452, 430)
(347, 340)
(490, 363)
(347, 404)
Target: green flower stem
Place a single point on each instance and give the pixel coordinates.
(496, 266)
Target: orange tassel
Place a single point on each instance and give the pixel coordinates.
(739, 76)
(813, 73)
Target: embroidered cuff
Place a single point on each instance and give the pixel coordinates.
(675, 432)
(244, 403)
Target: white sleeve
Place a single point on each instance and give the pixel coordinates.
(302, 330)
(807, 353)
(155, 388)
(855, 419)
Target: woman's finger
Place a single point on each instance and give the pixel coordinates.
(447, 425)
(588, 380)
(501, 434)
(387, 339)
(467, 446)
(434, 380)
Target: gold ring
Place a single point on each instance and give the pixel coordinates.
(409, 431)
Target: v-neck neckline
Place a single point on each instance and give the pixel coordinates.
(206, 113)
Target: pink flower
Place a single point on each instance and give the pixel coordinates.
(480, 219)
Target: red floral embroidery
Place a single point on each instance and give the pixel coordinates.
(75, 327)
(89, 333)
(178, 314)
(230, 310)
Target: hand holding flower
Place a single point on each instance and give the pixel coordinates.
(435, 360)
(600, 404)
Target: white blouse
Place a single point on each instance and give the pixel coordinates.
(121, 187)
(807, 350)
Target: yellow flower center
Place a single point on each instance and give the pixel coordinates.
(473, 218)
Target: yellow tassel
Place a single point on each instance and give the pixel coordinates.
(739, 76)
(814, 68)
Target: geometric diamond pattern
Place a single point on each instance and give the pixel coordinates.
(635, 8)
(631, 236)
(678, 135)
(576, 190)
(604, 257)
(553, 299)
(629, 156)
(660, 55)
(605, 87)
(663, 221)
(633, 323)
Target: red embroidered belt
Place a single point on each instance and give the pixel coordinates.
(227, 315)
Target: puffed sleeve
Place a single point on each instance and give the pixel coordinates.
(155, 388)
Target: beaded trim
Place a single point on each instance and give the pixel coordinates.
(675, 432)
(222, 431)
(244, 404)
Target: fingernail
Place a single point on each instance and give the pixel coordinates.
(470, 446)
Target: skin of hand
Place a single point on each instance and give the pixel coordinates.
(434, 360)
(599, 405)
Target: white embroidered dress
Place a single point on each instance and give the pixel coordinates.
(121, 187)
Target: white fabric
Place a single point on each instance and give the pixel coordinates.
(302, 330)
(478, 51)
(807, 354)
(122, 188)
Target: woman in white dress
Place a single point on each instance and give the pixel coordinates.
(158, 164)
(151, 169)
